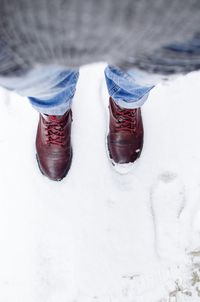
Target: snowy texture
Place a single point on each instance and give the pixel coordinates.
(99, 236)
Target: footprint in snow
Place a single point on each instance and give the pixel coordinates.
(167, 202)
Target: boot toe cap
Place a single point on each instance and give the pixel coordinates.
(124, 154)
(55, 169)
(123, 151)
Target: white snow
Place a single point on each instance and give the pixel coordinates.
(99, 236)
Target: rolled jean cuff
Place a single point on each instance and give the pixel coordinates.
(54, 110)
(59, 103)
(126, 90)
(131, 104)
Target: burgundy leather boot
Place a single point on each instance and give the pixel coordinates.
(125, 137)
(53, 145)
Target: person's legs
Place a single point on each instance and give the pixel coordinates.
(127, 95)
(50, 91)
(126, 88)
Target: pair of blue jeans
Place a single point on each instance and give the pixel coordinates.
(51, 89)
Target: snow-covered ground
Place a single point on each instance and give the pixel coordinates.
(99, 236)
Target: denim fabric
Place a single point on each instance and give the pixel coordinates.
(125, 89)
(51, 89)
(60, 102)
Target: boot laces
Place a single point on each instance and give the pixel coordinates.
(55, 132)
(126, 119)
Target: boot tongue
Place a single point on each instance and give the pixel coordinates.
(52, 118)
